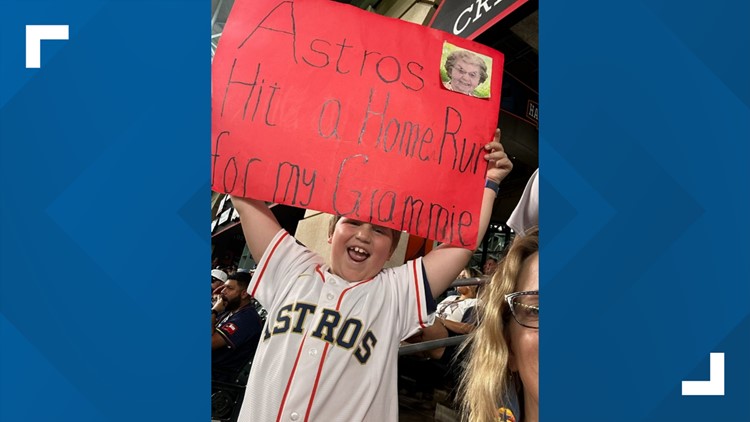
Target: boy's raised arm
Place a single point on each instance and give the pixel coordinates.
(444, 263)
(259, 225)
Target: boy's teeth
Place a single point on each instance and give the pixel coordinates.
(359, 250)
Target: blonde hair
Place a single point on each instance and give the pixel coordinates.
(485, 383)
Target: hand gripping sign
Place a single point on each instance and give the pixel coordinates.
(324, 106)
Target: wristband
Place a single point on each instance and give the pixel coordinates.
(490, 184)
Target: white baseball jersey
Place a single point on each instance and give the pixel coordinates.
(453, 308)
(329, 349)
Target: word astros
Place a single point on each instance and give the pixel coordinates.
(314, 112)
(331, 328)
(341, 56)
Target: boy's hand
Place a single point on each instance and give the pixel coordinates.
(499, 163)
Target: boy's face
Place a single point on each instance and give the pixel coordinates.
(359, 250)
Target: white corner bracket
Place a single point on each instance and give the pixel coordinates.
(34, 36)
(715, 384)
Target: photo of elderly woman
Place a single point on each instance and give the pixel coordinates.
(466, 72)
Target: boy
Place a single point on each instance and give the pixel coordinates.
(329, 349)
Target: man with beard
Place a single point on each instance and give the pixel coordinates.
(236, 328)
(489, 265)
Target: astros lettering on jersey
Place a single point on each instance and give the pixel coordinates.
(329, 350)
(329, 328)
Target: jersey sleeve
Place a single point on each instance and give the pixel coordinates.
(526, 213)
(238, 329)
(412, 297)
(280, 264)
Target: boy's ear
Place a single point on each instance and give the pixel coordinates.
(330, 238)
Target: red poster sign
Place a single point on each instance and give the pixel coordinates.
(324, 106)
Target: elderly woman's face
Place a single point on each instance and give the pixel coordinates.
(524, 342)
(465, 77)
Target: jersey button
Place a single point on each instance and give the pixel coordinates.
(294, 416)
(313, 352)
(330, 296)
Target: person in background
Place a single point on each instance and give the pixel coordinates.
(218, 278)
(489, 265)
(236, 328)
(503, 358)
(454, 316)
(453, 307)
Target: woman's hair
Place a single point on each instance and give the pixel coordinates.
(485, 382)
(468, 57)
